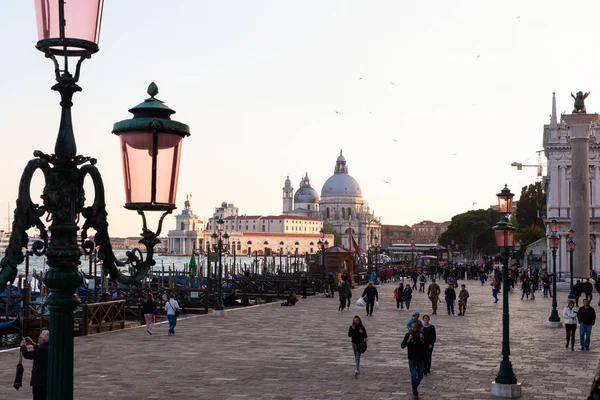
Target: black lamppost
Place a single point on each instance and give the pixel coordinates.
(412, 253)
(376, 250)
(571, 250)
(68, 32)
(554, 239)
(220, 243)
(322, 244)
(505, 384)
(452, 253)
(437, 251)
(280, 255)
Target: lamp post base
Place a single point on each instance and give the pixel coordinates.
(553, 324)
(218, 313)
(507, 391)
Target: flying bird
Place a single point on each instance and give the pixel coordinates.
(392, 83)
(454, 154)
(360, 79)
(474, 203)
(477, 56)
(338, 112)
(395, 140)
(388, 182)
(518, 17)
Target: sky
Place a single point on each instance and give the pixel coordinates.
(437, 97)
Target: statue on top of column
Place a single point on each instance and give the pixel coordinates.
(579, 102)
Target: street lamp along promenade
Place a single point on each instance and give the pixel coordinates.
(571, 244)
(554, 239)
(505, 384)
(412, 253)
(151, 149)
(376, 249)
(322, 245)
(220, 243)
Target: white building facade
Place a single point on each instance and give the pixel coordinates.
(188, 235)
(557, 182)
(342, 206)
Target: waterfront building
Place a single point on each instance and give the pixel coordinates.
(188, 235)
(342, 205)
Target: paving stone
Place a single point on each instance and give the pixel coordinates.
(303, 352)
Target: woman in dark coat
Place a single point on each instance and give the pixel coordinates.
(429, 333)
(358, 333)
(342, 294)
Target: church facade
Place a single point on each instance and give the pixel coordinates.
(341, 204)
(188, 236)
(557, 149)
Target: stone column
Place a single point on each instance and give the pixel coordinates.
(579, 125)
(554, 192)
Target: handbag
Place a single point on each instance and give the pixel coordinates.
(362, 346)
(19, 376)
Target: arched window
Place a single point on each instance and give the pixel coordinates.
(308, 206)
(343, 213)
(239, 246)
(327, 212)
(349, 213)
(182, 225)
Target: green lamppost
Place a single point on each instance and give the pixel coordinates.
(376, 250)
(505, 384)
(68, 35)
(220, 243)
(554, 239)
(280, 255)
(321, 244)
(571, 250)
(439, 256)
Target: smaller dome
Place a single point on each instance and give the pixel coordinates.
(306, 194)
(288, 182)
(341, 158)
(224, 204)
(187, 204)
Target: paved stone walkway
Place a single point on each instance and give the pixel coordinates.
(303, 352)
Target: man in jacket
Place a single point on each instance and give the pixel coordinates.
(450, 296)
(577, 289)
(463, 295)
(417, 349)
(588, 289)
(371, 296)
(433, 292)
(39, 355)
(587, 318)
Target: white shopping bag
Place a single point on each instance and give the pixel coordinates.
(361, 302)
(377, 305)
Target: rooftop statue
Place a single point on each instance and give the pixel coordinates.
(579, 102)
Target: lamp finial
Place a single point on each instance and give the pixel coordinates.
(152, 90)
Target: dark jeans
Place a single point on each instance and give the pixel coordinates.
(400, 304)
(348, 299)
(39, 392)
(585, 331)
(416, 373)
(342, 304)
(570, 329)
(428, 361)
(172, 322)
(450, 306)
(588, 296)
(414, 286)
(370, 305)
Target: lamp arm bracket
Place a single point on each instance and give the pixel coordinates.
(26, 215)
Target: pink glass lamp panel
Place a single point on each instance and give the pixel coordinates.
(167, 167)
(82, 19)
(137, 167)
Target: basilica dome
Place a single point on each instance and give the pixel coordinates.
(305, 193)
(341, 183)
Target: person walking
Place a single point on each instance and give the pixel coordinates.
(429, 333)
(330, 284)
(172, 306)
(570, 320)
(495, 286)
(524, 287)
(348, 294)
(545, 284)
(399, 296)
(371, 296)
(587, 288)
(415, 277)
(39, 370)
(407, 294)
(358, 333)
(433, 292)
(450, 296)
(587, 318)
(342, 296)
(149, 311)
(422, 280)
(463, 295)
(577, 289)
(417, 349)
(595, 392)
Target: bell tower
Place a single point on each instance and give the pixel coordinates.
(288, 196)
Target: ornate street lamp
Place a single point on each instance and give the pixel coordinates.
(437, 251)
(70, 30)
(505, 384)
(322, 246)
(280, 254)
(412, 253)
(571, 250)
(220, 243)
(554, 239)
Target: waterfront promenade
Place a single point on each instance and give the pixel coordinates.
(303, 352)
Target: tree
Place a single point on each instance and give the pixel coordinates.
(329, 229)
(472, 231)
(532, 201)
